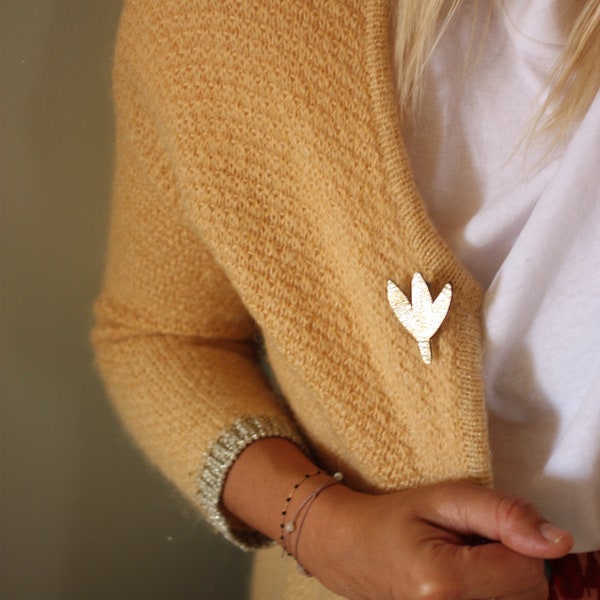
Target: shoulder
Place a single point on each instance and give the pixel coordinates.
(229, 33)
(212, 54)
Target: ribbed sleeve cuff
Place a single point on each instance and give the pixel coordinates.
(219, 459)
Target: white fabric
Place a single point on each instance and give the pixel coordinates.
(525, 220)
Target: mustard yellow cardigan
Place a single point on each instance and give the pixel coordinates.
(262, 200)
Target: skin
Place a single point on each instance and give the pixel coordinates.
(417, 542)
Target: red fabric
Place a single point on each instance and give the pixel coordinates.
(576, 577)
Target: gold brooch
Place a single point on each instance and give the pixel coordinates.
(424, 316)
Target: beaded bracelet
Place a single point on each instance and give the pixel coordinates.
(294, 525)
(286, 506)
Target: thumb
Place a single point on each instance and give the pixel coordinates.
(522, 528)
(513, 521)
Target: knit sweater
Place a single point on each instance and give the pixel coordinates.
(262, 201)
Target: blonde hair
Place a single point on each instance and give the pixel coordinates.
(574, 81)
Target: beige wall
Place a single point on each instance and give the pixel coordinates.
(81, 515)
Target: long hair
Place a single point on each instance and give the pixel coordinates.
(574, 82)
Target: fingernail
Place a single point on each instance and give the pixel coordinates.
(552, 533)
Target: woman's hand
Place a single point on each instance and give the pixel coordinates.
(422, 543)
(415, 544)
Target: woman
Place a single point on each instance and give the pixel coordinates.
(289, 294)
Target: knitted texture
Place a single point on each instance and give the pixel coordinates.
(262, 186)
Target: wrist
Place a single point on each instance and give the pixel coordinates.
(298, 505)
(327, 531)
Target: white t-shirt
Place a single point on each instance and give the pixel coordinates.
(524, 218)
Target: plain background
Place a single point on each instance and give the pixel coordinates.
(81, 514)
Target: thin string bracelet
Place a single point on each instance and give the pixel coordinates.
(302, 512)
(284, 511)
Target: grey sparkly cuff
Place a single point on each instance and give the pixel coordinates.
(219, 459)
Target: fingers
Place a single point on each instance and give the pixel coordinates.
(540, 592)
(470, 510)
(472, 573)
(495, 571)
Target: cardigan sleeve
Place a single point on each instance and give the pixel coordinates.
(173, 342)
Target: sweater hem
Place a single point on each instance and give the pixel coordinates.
(215, 467)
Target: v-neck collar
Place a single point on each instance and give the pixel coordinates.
(400, 183)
